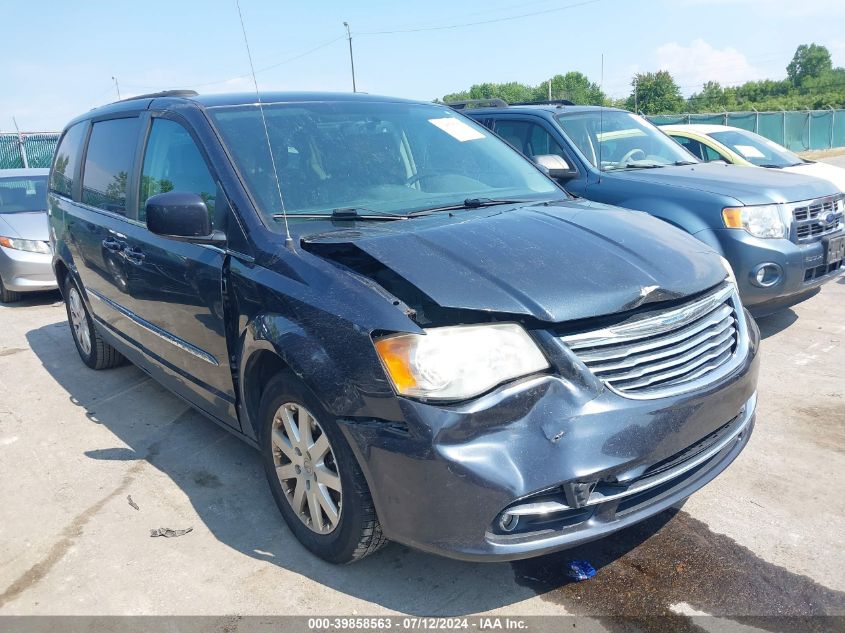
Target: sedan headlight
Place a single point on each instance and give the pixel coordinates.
(458, 362)
(760, 221)
(33, 246)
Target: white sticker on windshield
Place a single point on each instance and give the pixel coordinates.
(457, 129)
(749, 151)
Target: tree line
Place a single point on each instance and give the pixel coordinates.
(811, 82)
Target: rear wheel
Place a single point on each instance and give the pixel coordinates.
(314, 476)
(93, 350)
(8, 296)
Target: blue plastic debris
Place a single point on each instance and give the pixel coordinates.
(580, 570)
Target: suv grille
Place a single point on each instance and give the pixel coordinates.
(812, 219)
(670, 351)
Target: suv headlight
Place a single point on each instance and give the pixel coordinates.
(458, 362)
(32, 246)
(761, 220)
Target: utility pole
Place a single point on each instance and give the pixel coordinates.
(636, 86)
(117, 87)
(351, 58)
(550, 89)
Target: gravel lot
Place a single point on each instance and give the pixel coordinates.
(767, 537)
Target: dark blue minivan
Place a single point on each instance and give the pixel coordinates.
(427, 339)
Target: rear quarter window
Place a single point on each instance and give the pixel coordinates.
(111, 149)
(67, 161)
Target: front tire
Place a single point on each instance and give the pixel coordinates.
(314, 476)
(8, 296)
(93, 350)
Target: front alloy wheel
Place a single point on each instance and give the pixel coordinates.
(306, 468)
(313, 474)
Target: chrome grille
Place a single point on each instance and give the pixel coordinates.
(811, 218)
(664, 352)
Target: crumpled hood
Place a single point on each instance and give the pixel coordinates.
(748, 186)
(27, 226)
(558, 263)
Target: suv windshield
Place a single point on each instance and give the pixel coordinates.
(621, 140)
(376, 157)
(22, 194)
(756, 149)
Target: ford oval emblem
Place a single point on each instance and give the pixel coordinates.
(830, 218)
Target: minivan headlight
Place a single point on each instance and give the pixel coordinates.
(32, 246)
(458, 362)
(760, 220)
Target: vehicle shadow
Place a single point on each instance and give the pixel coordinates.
(224, 481)
(775, 323)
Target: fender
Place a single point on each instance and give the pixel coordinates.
(343, 371)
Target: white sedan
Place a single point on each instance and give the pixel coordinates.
(740, 147)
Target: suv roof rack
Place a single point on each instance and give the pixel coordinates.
(557, 102)
(477, 103)
(163, 93)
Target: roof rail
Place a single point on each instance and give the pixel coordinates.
(163, 93)
(559, 102)
(477, 103)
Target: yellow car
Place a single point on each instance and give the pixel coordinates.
(736, 146)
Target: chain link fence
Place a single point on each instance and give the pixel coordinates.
(27, 150)
(799, 131)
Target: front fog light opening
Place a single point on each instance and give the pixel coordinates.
(508, 522)
(766, 275)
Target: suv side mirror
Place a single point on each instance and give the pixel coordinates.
(555, 166)
(181, 216)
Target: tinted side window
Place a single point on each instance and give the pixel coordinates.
(172, 162)
(699, 149)
(529, 138)
(67, 160)
(107, 164)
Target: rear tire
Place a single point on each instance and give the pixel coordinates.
(344, 527)
(8, 296)
(93, 350)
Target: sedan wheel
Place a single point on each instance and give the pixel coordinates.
(306, 468)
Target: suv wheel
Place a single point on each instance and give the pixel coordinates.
(314, 476)
(8, 296)
(93, 350)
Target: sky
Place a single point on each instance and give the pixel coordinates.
(61, 63)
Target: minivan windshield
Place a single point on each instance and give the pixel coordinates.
(756, 149)
(374, 157)
(621, 140)
(23, 194)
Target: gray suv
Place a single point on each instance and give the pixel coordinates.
(783, 233)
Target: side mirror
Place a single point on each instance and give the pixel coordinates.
(181, 216)
(555, 166)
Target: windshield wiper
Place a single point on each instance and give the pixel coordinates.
(468, 203)
(770, 166)
(346, 213)
(681, 163)
(649, 166)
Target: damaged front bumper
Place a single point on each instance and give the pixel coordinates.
(544, 463)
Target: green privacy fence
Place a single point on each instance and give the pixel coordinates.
(800, 131)
(27, 150)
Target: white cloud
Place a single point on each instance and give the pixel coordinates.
(693, 65)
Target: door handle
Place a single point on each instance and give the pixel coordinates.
(112, 245)
(134, 255)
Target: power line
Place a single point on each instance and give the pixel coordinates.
(480, 22)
